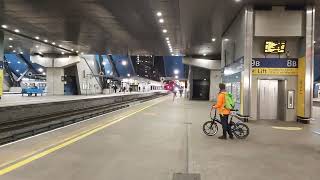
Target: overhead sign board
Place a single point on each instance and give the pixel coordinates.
(275, 66)
(275, 47)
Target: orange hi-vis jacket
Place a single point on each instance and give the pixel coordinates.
(220, 104)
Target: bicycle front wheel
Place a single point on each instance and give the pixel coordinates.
(240, 130)
(210, 128)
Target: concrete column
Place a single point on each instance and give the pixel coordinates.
(215, 79)
(54, 82)
(1, 61)
(309, 62)
(246, 75)
(190, 83)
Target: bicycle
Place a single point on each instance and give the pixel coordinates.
(239, 129)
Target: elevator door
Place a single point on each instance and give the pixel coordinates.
(268, 99)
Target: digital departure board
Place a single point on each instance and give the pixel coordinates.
(275, 47)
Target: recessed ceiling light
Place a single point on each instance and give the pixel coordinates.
(60, 45)
(37, 46)
(164, 31)
(45, 40)
(213, 39)
(161, 20)
(167, 38)
(72, 50)
(62, 52)
(10, 46)
(172, 54)
(21, 52)
(44, 73)
(77, 51)
(159, 14)
(53, 43)
(82, 53)
(14, 51)
(226, 39)
(10, 39)
(17, 30)
(204, 54)
(37, 37)
(4, 26)
(237, 0)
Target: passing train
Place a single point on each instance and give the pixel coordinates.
(170, 85)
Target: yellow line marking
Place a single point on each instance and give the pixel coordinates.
(68, 141)
(287, 128)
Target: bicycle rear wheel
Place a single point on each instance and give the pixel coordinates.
(240, 130)
(210, 128)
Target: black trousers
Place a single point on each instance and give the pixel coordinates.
(225, 125)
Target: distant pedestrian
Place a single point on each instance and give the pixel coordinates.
(180, 91)
(115, 88)
(130, 89)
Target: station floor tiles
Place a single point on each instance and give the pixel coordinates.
(158, 138)
(18, 99)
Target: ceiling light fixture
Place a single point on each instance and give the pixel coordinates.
(161, 20)
(17, 30)
(21, 52)
(10, 39)
(45, 40)
(226, 39)
(72, 49)
(37, 46)
(62, 53)
(14, 51)
(204, 54)
(4, 26)
(213, 39)
(159, 14)
(37, 37)
(237, 0)
(53, 43)
(82, 53)
(77, 51)
(10, 46)
(167, 38)
(164, 31)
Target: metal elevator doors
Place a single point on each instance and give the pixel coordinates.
(268, 99)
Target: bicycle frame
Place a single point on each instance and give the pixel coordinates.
(215, 119)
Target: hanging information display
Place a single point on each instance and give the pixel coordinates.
(275, 66)
(275, 47)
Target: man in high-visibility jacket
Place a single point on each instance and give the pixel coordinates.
(224, 112)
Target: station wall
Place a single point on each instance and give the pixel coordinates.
(233, 47)
(88, 69)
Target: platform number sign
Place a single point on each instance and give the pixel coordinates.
(274, 63)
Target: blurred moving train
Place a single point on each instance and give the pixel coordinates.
(171, 85)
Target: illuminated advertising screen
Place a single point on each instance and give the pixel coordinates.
(275, 47)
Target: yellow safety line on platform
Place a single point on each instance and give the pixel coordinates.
(287, 128)
(68, 142)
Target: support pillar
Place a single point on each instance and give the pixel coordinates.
(1, 61)
(246, 74)
(306, 69)
(55, 84)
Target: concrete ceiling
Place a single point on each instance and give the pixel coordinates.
(123, 26)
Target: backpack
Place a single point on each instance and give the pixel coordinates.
(229, 101)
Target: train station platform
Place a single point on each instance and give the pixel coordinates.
(158, 138)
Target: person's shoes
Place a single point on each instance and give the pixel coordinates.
(222, 137)
(231, 137)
